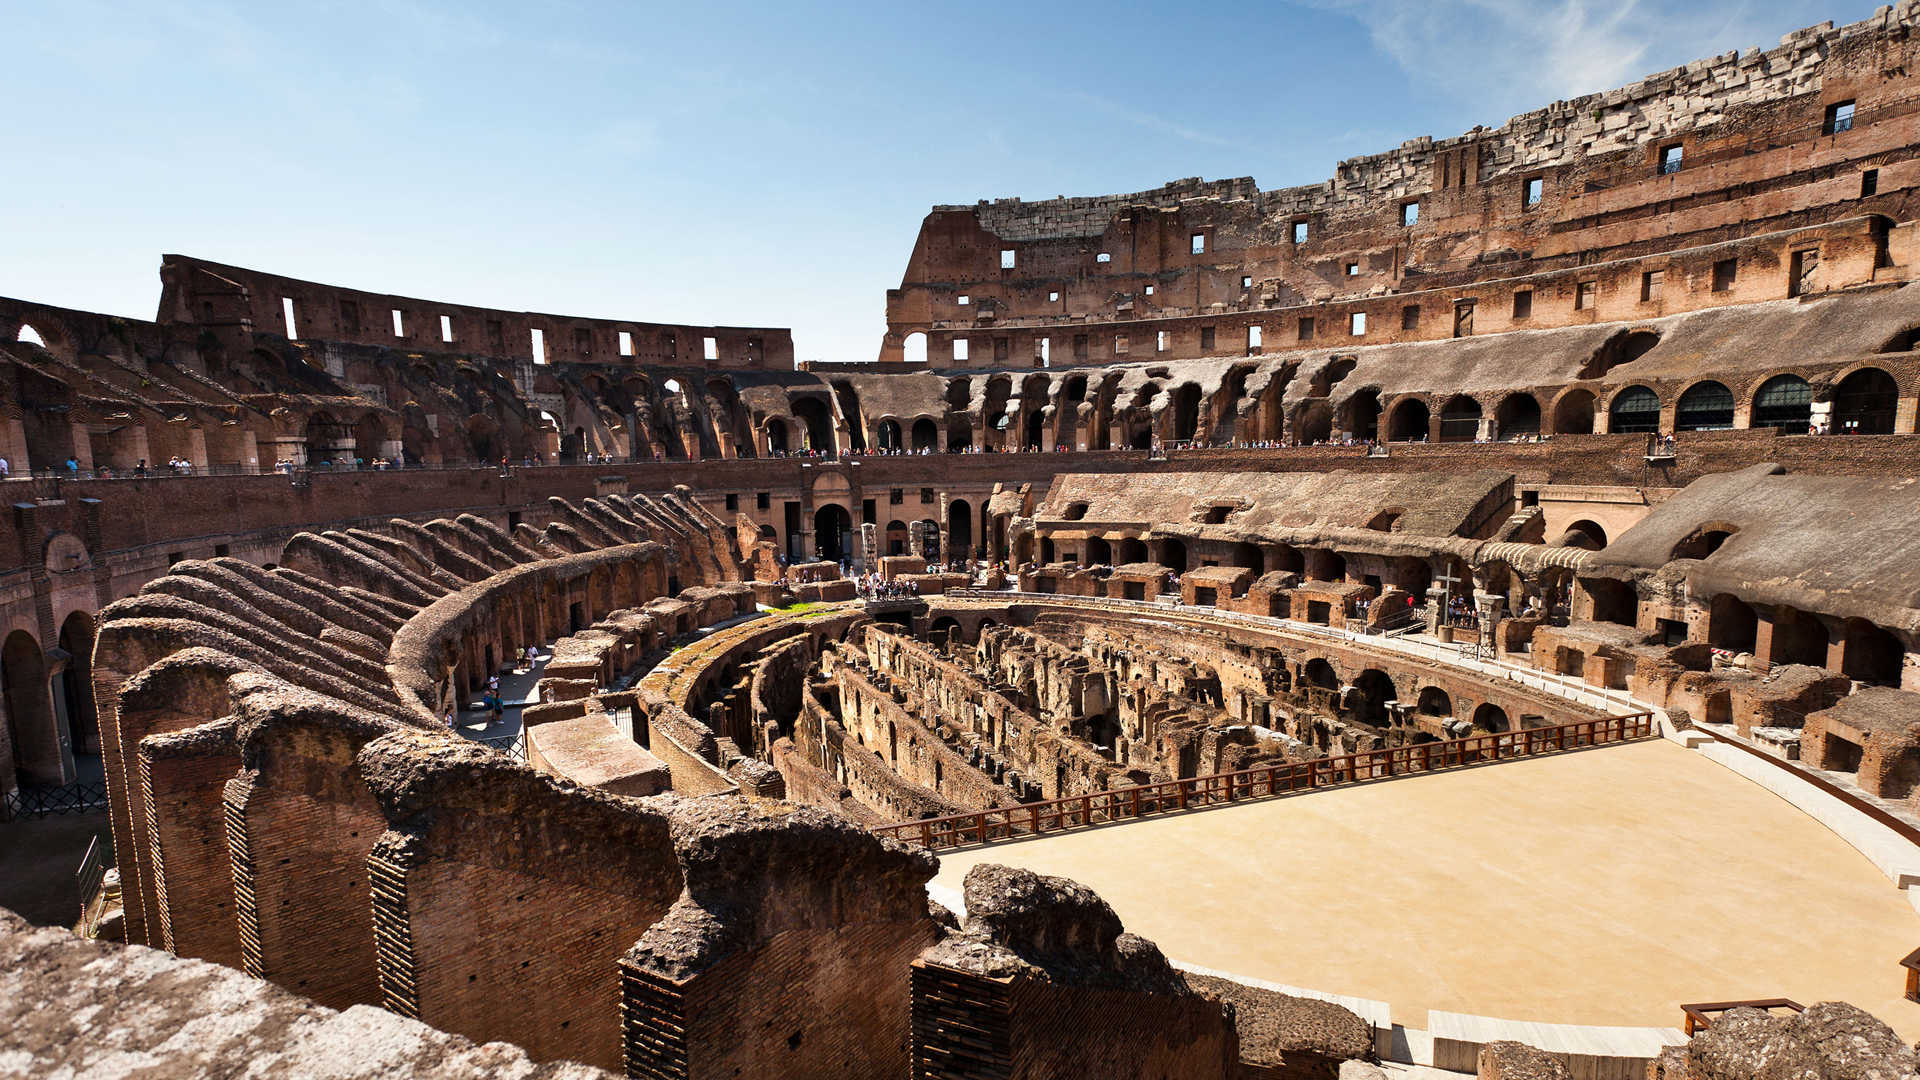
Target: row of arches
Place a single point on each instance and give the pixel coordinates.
(52, 735)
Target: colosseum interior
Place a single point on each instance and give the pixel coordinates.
(476, 692)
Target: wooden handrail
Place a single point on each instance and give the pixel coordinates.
(1264, 781)
(1699, 1016)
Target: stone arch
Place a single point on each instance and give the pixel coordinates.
(1361, 414)
(1460, 419)
(1633, 410)
(30, 720)
(1409, 421)
(1732, 624)
(1172, 552)
(1313, 422)
(887, 436)
(1784, 402)
(817, 419)
(1584, 533)
(1872, 655)
(1099, 552)
(913, 350)
(1622, 348)
(1798, 638)
(1374, 688)
(1865, 402)
(1573, 412)
(1318, 672)
(1517, 416)
(1435, 702)
(1490, 718)
(925, 434)
(74, 695)
(1705, 406)
(833, 532)
(1186, 411)
(959, 529)
(1132, 550)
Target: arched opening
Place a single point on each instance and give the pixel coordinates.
(1705, 406)
(1872, 655)
(777, 436)
(1374, 689)
(31, 336)
(328, 440)
(959, 529)
(1517, 416)
(889, 434)
(1435, 702)
(1460, 419)
(1621, 348)
(1173, 553)
(914, 349)
(948, 625)
(1798, 638)
(1313, 423)
(1703, 541)
(849, 399)
(1731, 624)
(926, 434)
(1250, 556)
(1863, 403)
(1634, 410)
(1784, 402)
(1324, 565)
(1319, 672)
(1490, 718)
(1046, 551)
(1363, 415)
(1132, 550)
(1036, 427)
(1573, 413)
(1186, 411)
(1099, 552)
(1584, 534)
(36, 740)
(930, 540)
(1613, 601)
(73, 695)
(813, 413)
(370, 438)
(896, 538)
(833, 533)
(1409, 421)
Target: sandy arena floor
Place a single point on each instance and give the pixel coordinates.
(1602, 887)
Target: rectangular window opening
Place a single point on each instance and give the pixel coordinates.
(1199, 243)
(1353, 269)
(286, 313)
(1306, 329)
(1103, 257)
(1119, 344)
(626, 343)
(1246, 282)
(539, 338)
(1724, 273)
(1160, 341)
(1149, 290)
(1053, 298)
(1651, 284)
(1670, 159)
(1409, 214)
(733, 503)
(1530, 196)
(1869, 182)
(1357, 324)
(1523, 304)
(1253, 339)
(959, 348)
(446, 328)
(963, 300)
(1007, 258)
(1299, 232)
(1410, 317)
(762, 500)
(1839, 118)
(1046, 352)
(1206, 339)
(399, 324)
(1583, 295)
(710, 348)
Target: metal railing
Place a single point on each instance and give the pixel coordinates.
(514, 745)
(33, 801)
(86, 880)
(1267, 781)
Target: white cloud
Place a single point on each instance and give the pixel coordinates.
(1521, 54)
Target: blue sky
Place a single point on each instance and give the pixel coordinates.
(758, 164)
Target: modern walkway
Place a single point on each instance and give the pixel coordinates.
(1601, 887)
